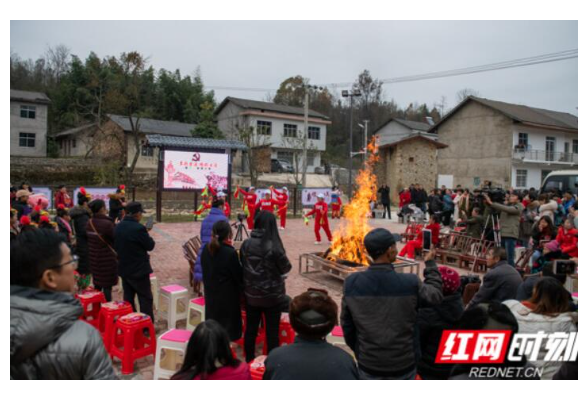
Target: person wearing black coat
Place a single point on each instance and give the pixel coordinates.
(384, 192)
(102, 256)
(418, 196)
(265, 265)
(132, 244)
(433, 320)
(80, 215)
(116, 204)
(222, 276)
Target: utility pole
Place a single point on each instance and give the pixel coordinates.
(365, 139)
(304, 160)
(351, 94)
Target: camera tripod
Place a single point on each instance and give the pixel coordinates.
(240, 229)
(495, 220)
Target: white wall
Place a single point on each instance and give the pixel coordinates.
(38, 126)
(533, 176)
(277, 136)
(537, 138)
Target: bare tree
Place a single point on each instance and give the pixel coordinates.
(297, 143)
(465, 93)
(57, 61)
(255, 141)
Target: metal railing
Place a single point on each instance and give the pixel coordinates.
(544, 156)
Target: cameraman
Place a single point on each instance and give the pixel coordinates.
(510, 218)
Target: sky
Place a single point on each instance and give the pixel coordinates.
(261, 54)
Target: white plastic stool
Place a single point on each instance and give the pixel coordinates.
(336, 337)
(154, 290)
(196, 313)
(171, 349)
(173, 303)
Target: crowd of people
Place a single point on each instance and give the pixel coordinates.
(391, 321)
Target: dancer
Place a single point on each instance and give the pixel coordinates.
(321, 220)
(251, 199)
(282, 201)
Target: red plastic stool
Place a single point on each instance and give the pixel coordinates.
(109, 313)
(287, 334)
(260, 333)
(257, 368)
(91, 301)
(135, 344)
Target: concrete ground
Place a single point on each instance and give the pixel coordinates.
(170, 266)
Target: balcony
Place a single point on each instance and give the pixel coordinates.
(542, 156)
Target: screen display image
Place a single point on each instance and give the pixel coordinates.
(189, 170)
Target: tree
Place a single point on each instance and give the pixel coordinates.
(465, 93)
(207, 128)
(297, 144)
(254, 142)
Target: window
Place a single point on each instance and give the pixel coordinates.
(26, 140)
(74, 142)
(549, 148)
(28, 112)
(314, 132)
(146, 151)
(521, 178)
(61, 144)
(264, 127)
(290, 130)
(286, 156)
(523, 141)
(575, 146)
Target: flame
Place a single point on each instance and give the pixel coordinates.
(348, 239)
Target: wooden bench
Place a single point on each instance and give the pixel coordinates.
(452, 247)
(475, 254)
(411, 232)
(191, 249)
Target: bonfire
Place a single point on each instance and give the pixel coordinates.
(348, 239)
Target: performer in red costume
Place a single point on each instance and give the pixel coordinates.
(321, 220)
(251, 200)
(267, 203)
(282, 201)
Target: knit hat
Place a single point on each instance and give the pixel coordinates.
(451, 280)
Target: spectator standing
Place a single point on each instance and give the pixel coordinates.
(63, 222)
(447, 207)
(62, 198)
(510, 221)
(21, 205)
(80, 215)
(14, 228)
(528, 221)
(384, 192)
(116, 204)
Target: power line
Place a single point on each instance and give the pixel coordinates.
(516, 63)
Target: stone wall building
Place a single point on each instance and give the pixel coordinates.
(408, 155)
(511, 145)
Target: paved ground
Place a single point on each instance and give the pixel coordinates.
(171, 267)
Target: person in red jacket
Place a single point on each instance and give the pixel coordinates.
(267, 203)
(567, 237)
(411, 246)
(227, 208)
(282, 202)
(61, 197)
(251, 200)
(404, 198)
(336, 204)
(321, 220)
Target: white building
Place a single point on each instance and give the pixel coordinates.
(275, 125)
(28, 123)
(512, 145)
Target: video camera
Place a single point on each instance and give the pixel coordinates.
(241, 217)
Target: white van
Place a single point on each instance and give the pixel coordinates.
(562, 180)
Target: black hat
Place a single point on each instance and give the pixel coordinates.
(134, 207)
(379, 240)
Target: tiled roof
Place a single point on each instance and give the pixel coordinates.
(31, 97)
(194, 142)
(155, 126)
(265, 106)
